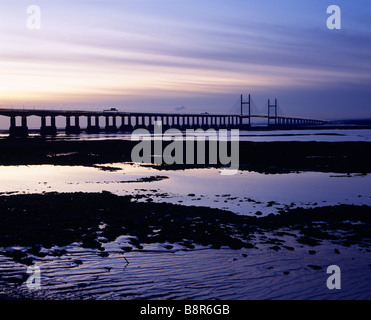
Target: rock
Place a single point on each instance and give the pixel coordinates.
(15, 279)
(58, 252)
(88, 242)
(103, 254)
(308, 241)
(314, 267)
(26, 261)
(235, 243)
(275, 248)
(127, 248)
(16, 254)
(35, 250)
(248, 245)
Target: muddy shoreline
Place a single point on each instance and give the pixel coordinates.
(265, 157)
(59, 230)
(37, 221)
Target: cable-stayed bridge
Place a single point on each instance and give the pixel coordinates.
(119, 121)
(248, 110)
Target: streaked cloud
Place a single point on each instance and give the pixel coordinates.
(96, 50)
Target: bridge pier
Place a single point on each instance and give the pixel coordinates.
(177, 124)
(180, 122)
(203, 124)
(93, 128)
(151, 120)
(222, 124)
(136, 125)
(231, 122)
(110, 128)
(166, 122)
(75, 129)
(189, 122)
(228, 122)
(237, 122)
(46, 130)
(142, 122)
(18, 131)
(139, 122)
(183, 126)
(194, 122)
(126, 125)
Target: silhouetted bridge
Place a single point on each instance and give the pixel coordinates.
(129, 121)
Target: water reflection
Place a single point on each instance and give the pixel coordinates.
(247, 192)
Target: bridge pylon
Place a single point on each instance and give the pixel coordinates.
(274, 116)
(243, 115)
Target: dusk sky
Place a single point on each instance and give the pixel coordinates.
(162, 55)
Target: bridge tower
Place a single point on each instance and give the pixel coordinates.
(248, 102)
(274, 116)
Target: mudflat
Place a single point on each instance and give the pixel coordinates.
(270, 157)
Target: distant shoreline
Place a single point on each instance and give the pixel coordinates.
(265, 157)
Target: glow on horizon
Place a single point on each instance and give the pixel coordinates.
(173, 53)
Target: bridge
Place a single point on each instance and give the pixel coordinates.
(129, 121)
(273, 120)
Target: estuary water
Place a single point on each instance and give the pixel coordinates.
(323, 134)
(244, 193)
(202, 273)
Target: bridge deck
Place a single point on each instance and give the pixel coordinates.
(66, 113)
(41, 112)
(132, 120)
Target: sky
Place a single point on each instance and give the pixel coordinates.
(163, 55)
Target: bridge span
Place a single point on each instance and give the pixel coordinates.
(118, 121)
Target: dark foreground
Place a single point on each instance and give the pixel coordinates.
(272, 157)
(177, 252)
(36, 221)
(207, 253)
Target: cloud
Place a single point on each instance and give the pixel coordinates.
(181, 49)
(180, 108)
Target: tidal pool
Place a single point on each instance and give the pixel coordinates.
(245, 193)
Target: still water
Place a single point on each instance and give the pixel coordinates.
(244, 193)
